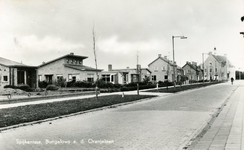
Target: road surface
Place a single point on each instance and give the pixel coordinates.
(168, 122)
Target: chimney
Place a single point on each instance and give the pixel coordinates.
(127, 67)
(165, 57)
(43, 62)
(72, 53)
(194, 63)
(215, 51)
(110, 67)
(159, 55)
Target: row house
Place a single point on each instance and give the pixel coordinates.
(216, 67)
(125, 76)
(69, 67)
(162, 70)
(15, 74)
(192, 71)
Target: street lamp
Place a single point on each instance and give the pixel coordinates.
(203, 65)
(182, 37)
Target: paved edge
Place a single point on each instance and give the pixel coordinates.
(204, 128)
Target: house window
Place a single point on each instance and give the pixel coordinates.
(106, 78)
(59, 76)
(216, 70)
(73, 77)
(210, 70)
(90, 77)
(189, 71)
(163, 68)
(166, 77)
(49, 78)
(154, 78)
(5, 78)
(112, 78)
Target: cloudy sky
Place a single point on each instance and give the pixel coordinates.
(35, 31)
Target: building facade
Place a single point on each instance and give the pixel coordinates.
(15, 74)
(125, 76)
(192, 71)
(162, 70)
(69, 67)
(216, 67)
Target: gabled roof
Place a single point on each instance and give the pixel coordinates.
(166, 60)
(65, 56)
(196, 68)
(221, 59)
(10, 63)
(82, 67)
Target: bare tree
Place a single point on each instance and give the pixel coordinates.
(95, 56)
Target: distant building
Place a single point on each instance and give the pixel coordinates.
(125, 76)
(69, 67)
(162, 69)
(217, 67)
(192, 71)
(14, 73)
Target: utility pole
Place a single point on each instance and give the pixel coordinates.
(138, 72)
(95, 56)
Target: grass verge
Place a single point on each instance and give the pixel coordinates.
(29, 113)
(182, 88)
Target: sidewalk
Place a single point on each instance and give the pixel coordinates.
(226, 132)
(48, 100)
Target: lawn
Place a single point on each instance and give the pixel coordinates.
(29, 113)
(182, 88)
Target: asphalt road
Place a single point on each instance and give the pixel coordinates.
(166, 122)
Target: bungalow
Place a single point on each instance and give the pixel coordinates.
(69, 67)
(14, 73)
(125, 76)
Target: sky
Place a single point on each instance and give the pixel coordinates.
(127, 32)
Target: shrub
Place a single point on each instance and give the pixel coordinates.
(42, 84)
(23, 87)
(82, 84)
(52, 87)
(61, 82)
(135, 87)
(9, 86)
(165, 83)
